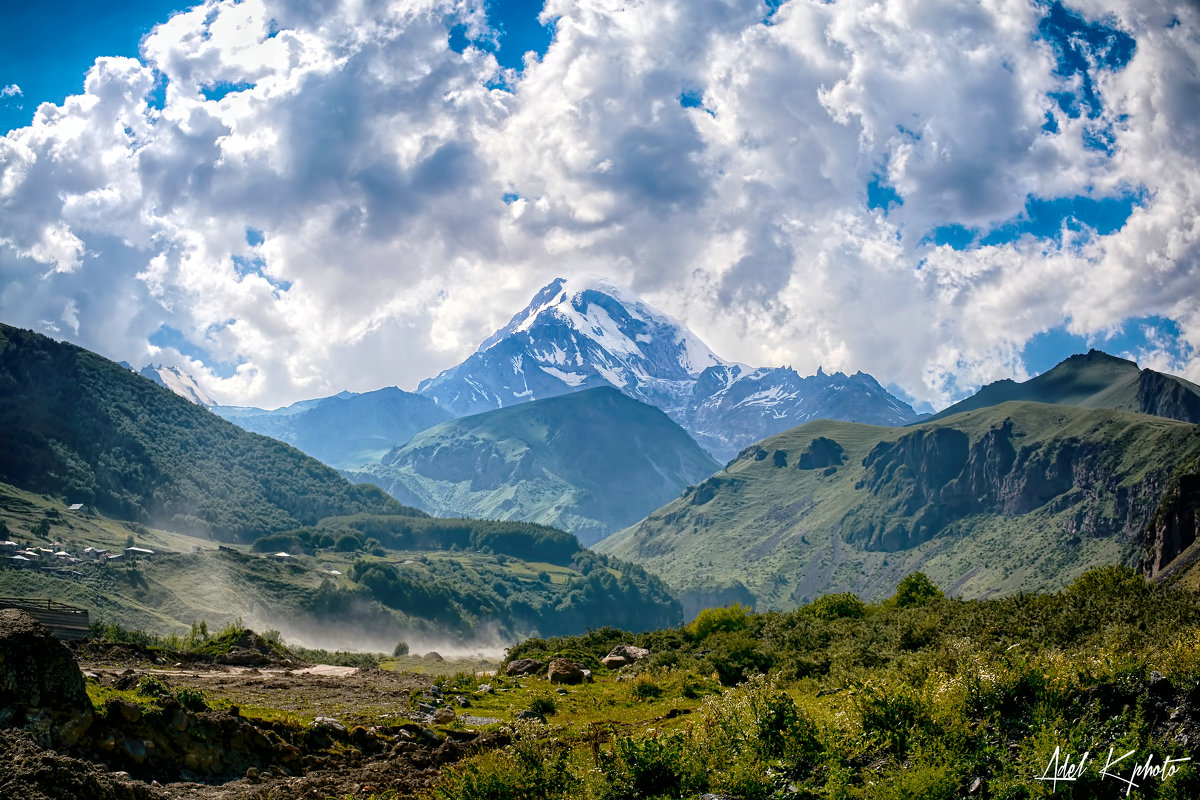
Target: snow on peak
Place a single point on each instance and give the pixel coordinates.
(617, 320)
(178, 382)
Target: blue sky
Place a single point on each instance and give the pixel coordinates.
(48, 60)
(272, 194)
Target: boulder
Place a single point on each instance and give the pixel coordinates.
(623, 655)
(244, 657)
(523, 666)
(41, 687)
(564, 671)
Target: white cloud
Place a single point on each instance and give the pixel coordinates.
(12, 90)
(374, 161)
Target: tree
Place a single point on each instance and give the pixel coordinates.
(915, 590)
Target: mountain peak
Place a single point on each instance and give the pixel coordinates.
(616, 319)
(178, 382)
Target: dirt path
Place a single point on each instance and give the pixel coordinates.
(402, 758)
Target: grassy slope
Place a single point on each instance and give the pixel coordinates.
(928, 699)
(1092, 380)
(84, 429)
(197, 581)
(555, 462)
(779, 530)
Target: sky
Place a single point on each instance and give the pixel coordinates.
(291, 198)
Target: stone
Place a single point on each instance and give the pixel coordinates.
(523, 666)
(41, 687)
(562, 670)
(444, 716)
(530, 715)
(329, 724)
(623, 655)
(243, 657)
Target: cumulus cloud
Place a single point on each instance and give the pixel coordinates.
(12, 90)
(313, 196)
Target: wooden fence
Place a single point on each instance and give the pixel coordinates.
(64, 621)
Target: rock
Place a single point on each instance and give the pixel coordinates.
(629, 651)
(563, 671)
(530, 715)
(124, 710)
(463, 701)
(623, 655)
(243, 657)
(444, 716)
(523, 666)
(329, 724)
(41, 687)
(484, 688)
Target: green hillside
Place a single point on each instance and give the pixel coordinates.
(1014, 497)
(591, 462)
(86, 430)
(1094, 380)
(360, 582)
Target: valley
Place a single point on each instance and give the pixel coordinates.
(924, 605)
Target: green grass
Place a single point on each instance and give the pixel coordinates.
(916, 697)
(790, 535)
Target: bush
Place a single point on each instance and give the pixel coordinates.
(838, 606)
(545, 706)
(711, 620)
(915, 590)
(652, 767)
(401, 649)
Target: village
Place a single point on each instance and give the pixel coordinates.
(57, 557)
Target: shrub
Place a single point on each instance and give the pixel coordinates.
(915, 590)
(651, 767)
(401, 649)
(545, 706)
(191, 699)
(711, 620)
(838, 606)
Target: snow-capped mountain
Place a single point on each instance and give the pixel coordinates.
(731, 410)
(578, 334)
(178, 382)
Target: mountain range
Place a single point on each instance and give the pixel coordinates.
(346, 430)
(1001, 496)
(577, 334)
(591, 462)
(574, 335)
(92, 453)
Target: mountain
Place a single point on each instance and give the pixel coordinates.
(77, 426)
(732, 408)
(346, 430)
(581, 334)
(591, 462)
(1013, 497)
(576, 335)
(178, 382)
(1095, 380)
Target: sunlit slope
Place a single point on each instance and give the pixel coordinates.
(1094, 380)
(1017, 496)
